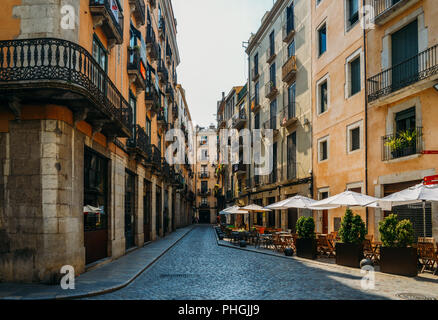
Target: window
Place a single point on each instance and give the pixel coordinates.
(271, 44)
(322, 99)
(290, 18)
(292, 155)
(273, 115)
(101, 57)
(133, 105)
(354, 139)
(322, 39)
(148, 130)
(257, 121)
(273, 176)
(352, 9)
(405, 120)
(256, 94)
(323, 149)
(204, 140)
(291, 49)
(204, 169)
(355, 76)
(291, 101)
(204, 186)
(272, 75)
(256, 64)
(204, 201)
(204, 155)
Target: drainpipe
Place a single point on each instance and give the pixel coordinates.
(366, 107)
(249, 126)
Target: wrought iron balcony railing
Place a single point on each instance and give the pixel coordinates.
(169, 92)
(239, 119)
(47, 65)
(156, 157)
(136, 69)
(402, 144)
(204, 192)
(270, 54)
(288, 115)
(288, 30)
(151, 43)
(140, 143)
(163, 74)
(385, 8)
(161, 118)
(204, 175)
(139, 11)
(110, 14)
(255, 74)
(270, 90)
(289, 69)
(162, 27)
(152, 97)
(417, 68)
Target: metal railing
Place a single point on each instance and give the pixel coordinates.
(117, 21)
(204, 175)
(156, 156)
(289, 69)
(417, 68)
(204, 192)
(239, 117)
(162, 27)
(397, 145)
(151, 43)
(162, 71)
(288, 29)
(382, 6)
(152, 96)
(70, 66)
(288, 113)
(270, 89)
(141, 141)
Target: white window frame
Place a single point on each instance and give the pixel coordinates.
(358, 124)
(347, 24)
(357, 54)
(318, 28)
(355, 185)
(318, 94)
(320, 141)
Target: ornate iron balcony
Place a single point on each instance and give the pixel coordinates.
(239, 119)
(204, 175)
(60, 71)
(156, 157)
(288, 115)
(151, 43)
(110, 18)
(162, 27)
(204, 192)
(400, 145)
(420, 67)
(270, 90)
(385, 9)
(152, 97)
(289, 69)
(136, 69)
(139, 143)
(163, 74)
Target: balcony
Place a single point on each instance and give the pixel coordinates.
(156, 157)
(271, 90)
(255, 104)
(289, 70)
(288, 31)
(417, 73)
(204, 175)
(169, 92)
(401, 145)
(62, 72)
(255, 74)
(139, 144)
(152, 97)
(239, 119)
(136, 69)
(163, 74)
(221, 122)
(151, 43)
(162, 28)
(165, 170)
(204, 205)
(175, 112)
(161, 119)
(385, 10)
(204, 192)
(288, 115)
(271, 124)
(270, 55)
(138, 10)
(110, 19)
(168, 56)
(239, 168)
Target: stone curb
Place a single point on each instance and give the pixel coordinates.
(106, 290)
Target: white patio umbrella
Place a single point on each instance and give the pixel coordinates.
(416, 194)
(233, 210)
(345, 199)
(298, 201)
(253, 208)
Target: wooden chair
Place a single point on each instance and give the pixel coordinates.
(368, 250)
(325, 246)
(426, 240)
(427, 256)
(278, 243)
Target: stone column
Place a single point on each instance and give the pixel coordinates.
(154, 231)
(139, 212)
(117, 206)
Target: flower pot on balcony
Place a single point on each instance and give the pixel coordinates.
(400, 261)
(306, 248)
(349, 254)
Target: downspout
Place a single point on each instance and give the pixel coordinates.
(366, 108)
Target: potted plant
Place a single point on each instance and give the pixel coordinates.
(397, 256)
(306, 242)
(349, 252)
(403, 143)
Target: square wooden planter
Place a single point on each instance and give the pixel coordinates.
(306, 248)
(400, 261)
(349, 255)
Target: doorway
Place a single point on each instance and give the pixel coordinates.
(147, 210)
(129, 210)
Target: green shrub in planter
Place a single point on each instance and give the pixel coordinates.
(352, 232)
(306, 243)
(397, 255)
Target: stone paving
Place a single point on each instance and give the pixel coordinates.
(108, 277)
(197, 268)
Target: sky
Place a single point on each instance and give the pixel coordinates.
(210, 35)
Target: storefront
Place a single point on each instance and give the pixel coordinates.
(95, 206)
(129, 209)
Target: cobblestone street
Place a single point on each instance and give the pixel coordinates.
(198, 269)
